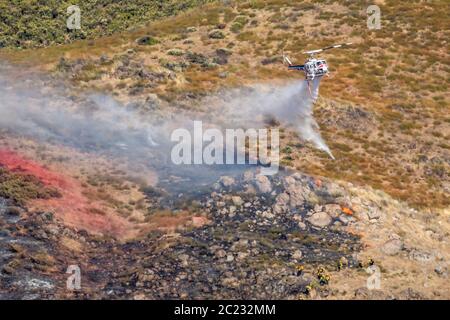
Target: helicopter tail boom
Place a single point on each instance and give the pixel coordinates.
(297, 67)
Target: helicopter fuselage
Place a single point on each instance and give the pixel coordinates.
(312, 68)
(315, 68)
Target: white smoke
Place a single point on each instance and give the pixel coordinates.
(96, 122)
(101, 124)
(292, 105)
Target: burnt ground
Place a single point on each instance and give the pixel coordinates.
(240, 250)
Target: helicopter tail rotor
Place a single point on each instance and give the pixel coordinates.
(286, 60)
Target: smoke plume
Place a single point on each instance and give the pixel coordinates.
(99, 123)
(291, 105)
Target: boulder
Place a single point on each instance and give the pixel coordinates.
(392, 247)
(373, 213)
(320, 219)
(220, 253)
(227, 181)
(263, 184)
(297, 255)
(333, 210)
(281, 204)
(421, 256)
(248, 176)
(296, 191)
(222, 56)
(237, 201)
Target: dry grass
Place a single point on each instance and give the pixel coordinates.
(380, 72)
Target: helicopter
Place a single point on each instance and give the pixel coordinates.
(313, 68)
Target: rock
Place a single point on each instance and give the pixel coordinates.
(373, 213)
(320, 219)
(243, 243)
(230, 258)
(364, 293)
(281, 204)
(8, 269)
(199, 221)
(345, 219)
(263, 184)
(220, 253)
(268, 215)
(242, 255)
(411, 294)
(248, 176)
(333, 210)
(394, 236)
(232, 211)
(392, 247)
(191, 29)
(223, 75)
(184, 259)
(250, 189)
(441, 271)
(420, 256)
(361, 215)
(222, 56)
(289, 181)
(230, 282)
(216, 34)
(295, 190)
(104, 59)
(35, 284)
(220, 204)
(221, 26)
(297, 255)
(223, 52)
(226, 181)
(334, 190)
(302, 225)
(237, 201)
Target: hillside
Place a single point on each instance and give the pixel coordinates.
(386, 121)
(34, 23)
(384, 113)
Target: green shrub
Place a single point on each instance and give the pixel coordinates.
(21, 187)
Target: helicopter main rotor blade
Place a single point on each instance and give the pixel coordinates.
(328, 48)
(337, 46)
(313, 51)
